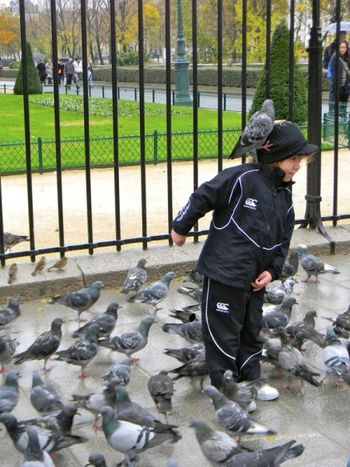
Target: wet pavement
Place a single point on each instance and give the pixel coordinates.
(316, 417)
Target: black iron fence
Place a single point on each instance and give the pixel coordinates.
(54, 155)
(43, 152)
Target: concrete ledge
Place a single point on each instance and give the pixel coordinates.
(111, 267)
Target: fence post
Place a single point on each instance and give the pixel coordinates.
(118, 92)
(40, 155)
(155, 146)
(5, 88)
(135, 94)
(173, 96)
(153, 95)
(103, 91)
(199, 100)
(224, 101)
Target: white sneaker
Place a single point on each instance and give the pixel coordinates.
(251, 407)
(267, 393)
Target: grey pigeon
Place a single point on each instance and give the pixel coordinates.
(81, 352)
(10, 240)
(44, 345)
(292, 361)
(194, 292)
(60, 421)
(130, 411)
(8, 346)
(267, 457)
(135, 278)
(39, 267)
(243, 393)
(93, 402)
(82, 299)
(154, 293)
(290, 266)
(341, 324)
(130, 438)
(196, 368)
(9, 392)
(10, 312)
(300, 331)
(256, 132)
(280, 316)
(191, 331)
(44, 397)
(59, 265)
(185, 354)
(195, 277)
(50, 441)
(105, 322)
(161, 389)
(34, 456)
(120, 370)
(187, 313)
(130, 342)
(96, 459)
(335, 355)
(12, 274)
(216, 445)
(232, 417)
(276, 295)
(312, 265)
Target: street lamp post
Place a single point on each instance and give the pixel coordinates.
(182, 90)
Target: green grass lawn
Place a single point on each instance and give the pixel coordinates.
(73, 149)
(71, 117)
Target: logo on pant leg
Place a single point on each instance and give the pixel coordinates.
(222, 307)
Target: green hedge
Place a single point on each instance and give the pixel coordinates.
(231, 77)
(156, 75)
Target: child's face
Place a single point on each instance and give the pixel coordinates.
(290, 167)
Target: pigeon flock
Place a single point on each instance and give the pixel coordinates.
(114, 343)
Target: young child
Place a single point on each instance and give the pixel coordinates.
(246, 247)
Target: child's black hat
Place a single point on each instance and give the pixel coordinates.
(284, 141)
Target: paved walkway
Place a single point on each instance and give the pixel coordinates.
(318, 418)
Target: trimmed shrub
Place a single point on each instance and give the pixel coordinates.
(279, 80)
(34, 85)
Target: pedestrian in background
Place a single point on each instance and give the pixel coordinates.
(248, 241)
(69, 72)
(60, 71)
(77, 70)
(41, 71)
(89, 74)
(49, 71)
(342, 87)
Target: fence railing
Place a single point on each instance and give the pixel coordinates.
(43, 152)
(145, 149)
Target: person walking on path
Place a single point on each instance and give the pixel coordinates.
(60, 71)
(77, 70)
(49, 71)
(248, 240)
(69, 72)
(41, 71)
(342, 87)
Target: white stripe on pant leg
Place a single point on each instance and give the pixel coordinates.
(207, 321)
(251, 356)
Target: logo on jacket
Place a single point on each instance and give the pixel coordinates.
(250, 203)
(222, 307)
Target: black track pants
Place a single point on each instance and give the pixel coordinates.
(231, 320)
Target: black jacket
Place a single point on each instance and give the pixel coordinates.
(253, 221)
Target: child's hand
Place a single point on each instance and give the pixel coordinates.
(261, 281)
(178, 239)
